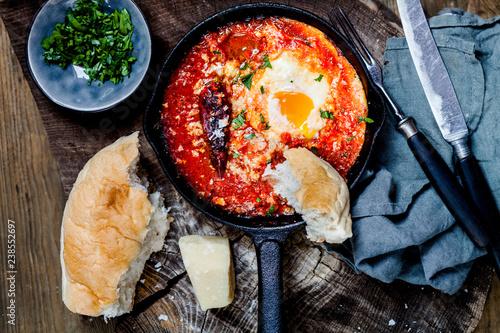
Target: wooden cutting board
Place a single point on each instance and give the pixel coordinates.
(322, 293)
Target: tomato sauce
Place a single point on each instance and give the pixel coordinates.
(241, 189)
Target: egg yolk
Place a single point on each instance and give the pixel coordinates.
(296, 106)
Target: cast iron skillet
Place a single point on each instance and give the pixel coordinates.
(268, 233)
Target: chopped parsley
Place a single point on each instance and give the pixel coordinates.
(262, 90)
(314, 150)
(270, 210)
(368, 120)
(258, 199)
(345, 154)
(352, 137)
(245, 65)
(326, 114)
(319, 78)
(249, 136)
(237, 78)
(89, 37)
(267, 126)
(269, 161)
(239, 120)
(216, 53)
(308, 43)
(266, 63)
(262, 120)
(247, 80)
(236, 155)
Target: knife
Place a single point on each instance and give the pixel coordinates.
(449, 118)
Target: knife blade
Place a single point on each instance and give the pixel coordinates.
(447, 112)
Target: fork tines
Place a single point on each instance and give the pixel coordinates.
(349, 31)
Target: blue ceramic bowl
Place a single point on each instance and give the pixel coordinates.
(68, 87)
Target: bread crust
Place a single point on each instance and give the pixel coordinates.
(322, 187)
(323, 197)
(104, 224)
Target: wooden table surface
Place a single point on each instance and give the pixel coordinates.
(32, 195)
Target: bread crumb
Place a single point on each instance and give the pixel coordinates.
(392, 322)
(163, 317)
(158, 264)
(142, 281)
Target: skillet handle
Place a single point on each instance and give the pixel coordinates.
(269, 262)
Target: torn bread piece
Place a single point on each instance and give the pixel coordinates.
(110, 227)
(209, 265)
(316, 191)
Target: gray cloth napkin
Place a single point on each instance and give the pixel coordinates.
(401, 228)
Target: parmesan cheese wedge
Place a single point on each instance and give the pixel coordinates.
(209, 266)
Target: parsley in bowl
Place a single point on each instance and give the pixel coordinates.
(93, 39)
(88, 55)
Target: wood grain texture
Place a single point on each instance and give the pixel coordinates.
(321, 292)
(484, 8)
(33, 197)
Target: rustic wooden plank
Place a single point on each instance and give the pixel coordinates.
(484, 8)
(33, 197)
(322, 293)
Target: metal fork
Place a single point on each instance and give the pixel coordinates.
(370, 63)
(441, 177)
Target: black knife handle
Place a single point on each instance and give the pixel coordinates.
(477, 188)
(479, 192)
(444, 182)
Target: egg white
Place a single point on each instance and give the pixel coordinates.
(288, 75)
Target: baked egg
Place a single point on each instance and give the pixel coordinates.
(294, 96)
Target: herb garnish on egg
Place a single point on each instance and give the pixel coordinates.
(266, 62)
